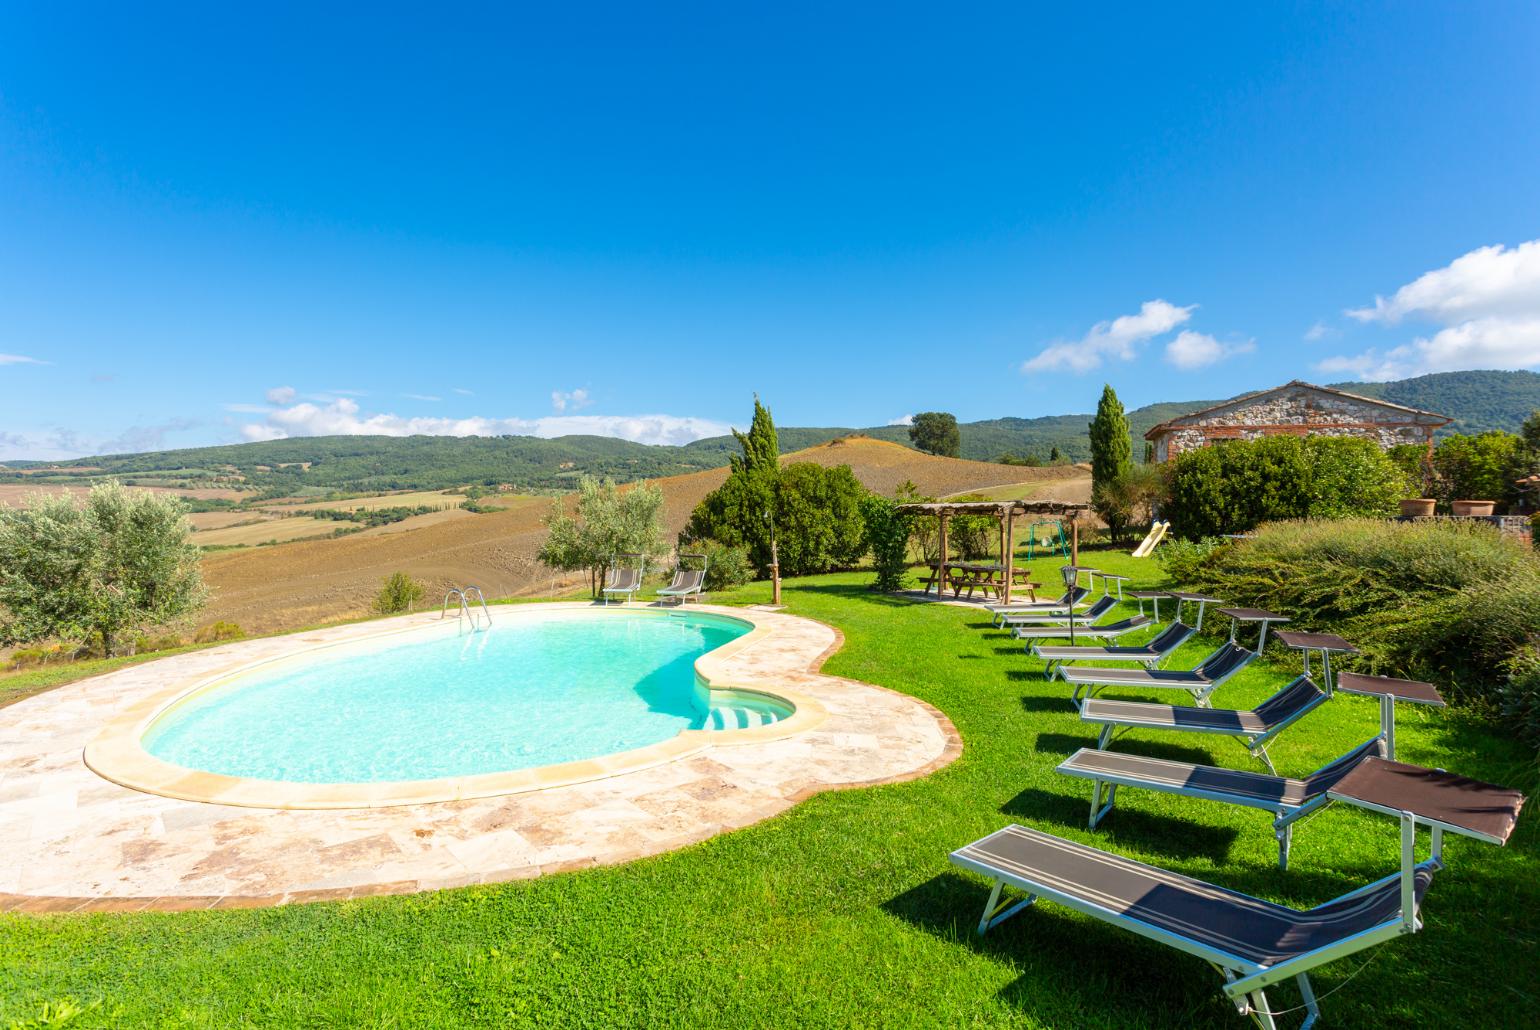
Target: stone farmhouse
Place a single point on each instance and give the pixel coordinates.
(1296, 409)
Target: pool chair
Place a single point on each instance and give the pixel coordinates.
(1106, 631)
(623, 581)
(1103, 605)
(686, 581)
(1224, 662)
(1290, 800)
(1150, 655)
(1252, 943)
(1078, 597)
(1254, 729)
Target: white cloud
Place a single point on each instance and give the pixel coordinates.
(1487, 303)
(59, 444)
(421, 397)
(902, 420)
(19, 359)
(1192, 350)
(1119, 338)
(1321, 331)
(463, 392)
(1487, 282)
(576, 400)
(342, 417)
(280, 395)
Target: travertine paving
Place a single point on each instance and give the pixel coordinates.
(73, 840)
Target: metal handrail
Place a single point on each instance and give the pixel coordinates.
(465, 610)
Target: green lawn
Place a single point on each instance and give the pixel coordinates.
(844, 911)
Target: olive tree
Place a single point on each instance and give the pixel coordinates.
(607, 521)
(121, 561)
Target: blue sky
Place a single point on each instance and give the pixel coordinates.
(218, 225)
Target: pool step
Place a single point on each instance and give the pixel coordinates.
(739, 717)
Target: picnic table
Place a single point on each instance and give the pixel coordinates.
(987, 577)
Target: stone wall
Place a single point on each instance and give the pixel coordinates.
(1296, 411)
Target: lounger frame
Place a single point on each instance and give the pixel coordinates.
(686, 581)
(1285, 813)
(623, 580)
(1245, 981)
(1087, 684)
(1152, 659)
(1254, 743)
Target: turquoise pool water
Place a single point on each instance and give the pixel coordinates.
(528, 692)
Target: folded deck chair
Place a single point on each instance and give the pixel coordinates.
(1289, 799)
(1103, 605)
(623, 582)
(1078, 597)
(1228, 659)
(1253, 943)
(1149, 655)
(1106, 631)
(1255, 729)
(686, 581)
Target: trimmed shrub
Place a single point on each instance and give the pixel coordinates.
(401, 593)
(818, 519)
(217, 631)
(726, 565)
(887, 537)
(1234, 487)
(1519, 698)
(1448, 602)
(1182, 558)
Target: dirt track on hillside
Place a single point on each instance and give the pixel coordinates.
(308, 582)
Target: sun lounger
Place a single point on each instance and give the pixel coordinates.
(686, 582)
(1103, 605)
(624, 582)
(1149, 655)
(1079, 597)
(1106, 631)
(1201, 682)
(1289, 799)
(1254, 944)
(1255, 728)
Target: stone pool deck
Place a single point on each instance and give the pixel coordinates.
(75, 841)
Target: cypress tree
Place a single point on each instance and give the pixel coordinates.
(1111, 449)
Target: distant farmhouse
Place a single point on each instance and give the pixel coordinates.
(1296, 409)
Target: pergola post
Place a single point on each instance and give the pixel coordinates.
(941, 568)
(1074, 541)
(1008, 559)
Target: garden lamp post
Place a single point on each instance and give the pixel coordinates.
(1071, 576)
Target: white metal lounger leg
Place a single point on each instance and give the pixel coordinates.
(1098, 809)
(993, 916)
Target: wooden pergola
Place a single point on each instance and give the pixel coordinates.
(1006, 513)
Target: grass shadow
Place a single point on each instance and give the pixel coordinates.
(1065, 743)
(1068, 967)
(1051, 703)
(1062, 743)
(1164, 835)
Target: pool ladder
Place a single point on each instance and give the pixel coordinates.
(467, 597)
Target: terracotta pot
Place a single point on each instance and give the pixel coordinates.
(1417, 507)
(1474, 507)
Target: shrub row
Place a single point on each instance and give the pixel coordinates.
(1234, 487)
(1456, 604)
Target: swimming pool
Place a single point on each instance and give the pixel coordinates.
(432, 705)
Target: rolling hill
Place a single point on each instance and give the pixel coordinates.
(315, 466)
(312, 581)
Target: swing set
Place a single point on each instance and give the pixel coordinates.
(1052, 542)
